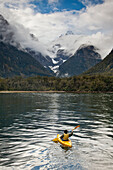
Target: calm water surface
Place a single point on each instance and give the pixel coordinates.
(29, 122)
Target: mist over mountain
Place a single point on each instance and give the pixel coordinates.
(14, 62)
(6, 33)
(19, 37)
(14, 58)
(68, 55)
(84, 58)
(65, 47)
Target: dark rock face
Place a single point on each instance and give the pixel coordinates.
(104, 67)
(14, 62)
(11, 55)
(82, 60)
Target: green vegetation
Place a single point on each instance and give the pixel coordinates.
(84, 83)
(14, 62)
(103, 67)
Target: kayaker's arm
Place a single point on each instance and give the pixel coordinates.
(62, 136)
(70, 134)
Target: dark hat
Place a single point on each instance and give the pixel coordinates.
(65, 131)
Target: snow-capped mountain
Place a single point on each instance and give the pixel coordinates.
(66, 46)
(84, 58)
(54, 55)
(24, 41)
(14, 57)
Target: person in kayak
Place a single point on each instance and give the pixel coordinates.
(66, 135)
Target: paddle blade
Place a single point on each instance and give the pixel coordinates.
(76, 127)
(55, 140)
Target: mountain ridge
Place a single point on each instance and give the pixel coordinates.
(11, 51)
(62, 51)
(104, 67)
(82, 60)
(14, 62)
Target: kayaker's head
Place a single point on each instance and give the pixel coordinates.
(65, 131)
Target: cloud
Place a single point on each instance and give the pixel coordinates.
(94, 20)
(53, 1)
(24, 37)
(91, 2)
(98, 17)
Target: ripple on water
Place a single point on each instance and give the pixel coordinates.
(31, 121)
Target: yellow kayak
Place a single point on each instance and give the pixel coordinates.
(64, 143)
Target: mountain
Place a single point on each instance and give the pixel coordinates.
(28, 43)
(84, 58)
(14, 58)
(15, 62)
(46, 61)
(6, 33)
(68, 55)
(61, 49)
(104, 67)
(66, 46)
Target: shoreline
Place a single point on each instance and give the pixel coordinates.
(77, 92)
(16, 91)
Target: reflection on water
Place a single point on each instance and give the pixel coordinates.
(29, 122)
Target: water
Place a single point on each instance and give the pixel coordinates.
(29, 122)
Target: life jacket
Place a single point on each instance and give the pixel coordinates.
(66, 136)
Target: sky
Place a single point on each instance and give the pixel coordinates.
(48, 19)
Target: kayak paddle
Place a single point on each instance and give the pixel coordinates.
(76, 127)
(56, 139)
